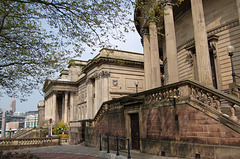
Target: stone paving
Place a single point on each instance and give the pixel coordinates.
(78, 152)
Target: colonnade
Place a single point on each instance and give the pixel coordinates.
(151, 52)
(52, 106)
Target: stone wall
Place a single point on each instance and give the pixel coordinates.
(185, 132)
(75, 136)
(186, 124)
(111, 124)
(168, 131)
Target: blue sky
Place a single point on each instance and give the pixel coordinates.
(133, 44)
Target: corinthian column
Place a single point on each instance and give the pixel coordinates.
(201, 43)
(65, 108)
(147, 59)
(171, 46)
(54, 107)
(155, 64)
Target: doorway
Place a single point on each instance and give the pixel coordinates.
(135, 131)
(213, 69)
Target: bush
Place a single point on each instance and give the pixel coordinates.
(60, 128)
(10, 155)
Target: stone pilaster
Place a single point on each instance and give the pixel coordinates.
(89, 98)
(201, 43)
(155, 64)
(72, 113)
(171, 46)
(97, 93)
(104, 85)
(147, 59)
(238, 8)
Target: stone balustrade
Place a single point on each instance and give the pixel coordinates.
(10, 144)
(202, 97)
(207, 96)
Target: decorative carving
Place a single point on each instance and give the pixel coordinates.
(104, 74)
(96, 75)
(87, 81)
(213, 44)
(166, 2)
(115, 83)
(190, 58)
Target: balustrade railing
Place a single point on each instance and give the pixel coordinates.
(184, 91)
(30, 141)
(207, 96)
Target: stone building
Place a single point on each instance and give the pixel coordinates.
(80, 91)
(188, 100)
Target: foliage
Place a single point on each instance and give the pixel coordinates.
(10, 155)
(36, 36)
(64, 136)
(152, 10)
(60, 128)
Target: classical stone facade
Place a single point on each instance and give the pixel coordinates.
(188, 103)
(196, 34)
(81, 90)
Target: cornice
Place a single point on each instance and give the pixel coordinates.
(109, 60)
(56, 82)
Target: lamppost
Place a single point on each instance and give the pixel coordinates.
(230, 50)
(50, 120)
(10, 132)
(35, 121)
(136, 84)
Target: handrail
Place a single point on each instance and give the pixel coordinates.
(117, 144)
(234, 89)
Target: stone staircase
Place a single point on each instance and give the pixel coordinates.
(26, 133)
(22, 133)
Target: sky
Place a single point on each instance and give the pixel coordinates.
(133, 44)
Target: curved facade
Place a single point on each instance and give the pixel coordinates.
(192, 41)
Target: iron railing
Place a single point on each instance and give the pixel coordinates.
(117, 148)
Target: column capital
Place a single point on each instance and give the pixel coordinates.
(96, 75)
(144, 31)
(104, 74)
(165, 3)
